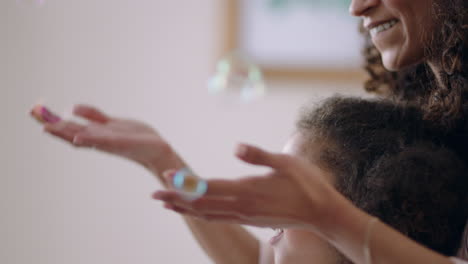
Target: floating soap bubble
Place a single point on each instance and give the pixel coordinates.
(189, 185)
(236, 74)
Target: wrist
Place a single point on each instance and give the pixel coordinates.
(341, 220)
(165, 158)
(349, 230)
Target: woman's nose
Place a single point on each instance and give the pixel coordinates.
(361, 7)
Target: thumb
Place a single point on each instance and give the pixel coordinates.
(258, 156)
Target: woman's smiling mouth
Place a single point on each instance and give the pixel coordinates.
(382, 27)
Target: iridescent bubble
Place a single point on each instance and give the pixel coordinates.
(188, 184)
(236, 74)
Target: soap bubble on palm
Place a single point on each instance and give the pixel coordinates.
(237, 74)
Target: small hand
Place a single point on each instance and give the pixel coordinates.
(126, 138)
(294, 194)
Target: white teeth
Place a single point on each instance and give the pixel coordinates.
(383, 27)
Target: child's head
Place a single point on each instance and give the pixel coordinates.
(386, 162)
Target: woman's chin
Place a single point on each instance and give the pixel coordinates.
(393, 62)
(390, 61)
(389, 66)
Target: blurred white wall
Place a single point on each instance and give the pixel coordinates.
(143, 59)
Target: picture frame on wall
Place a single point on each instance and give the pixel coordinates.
(300, 39)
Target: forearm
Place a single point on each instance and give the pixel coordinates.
(223, 243)
(167, 159)
(347, 231)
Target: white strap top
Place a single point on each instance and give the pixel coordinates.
(459, 261)
(266, 256)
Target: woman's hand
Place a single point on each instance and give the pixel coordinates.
(126, 138)
(294, 194)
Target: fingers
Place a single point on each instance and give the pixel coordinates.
(220, 187)
(166, 196)
(86, 139)
(205, 205)
(257, 156)
(65, 130)
(216, 187)
(206, 217)
(90, 113)
(98, 135)
(76, 134)
(44, 115)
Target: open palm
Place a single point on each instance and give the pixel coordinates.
(126, 138)
(294, 194)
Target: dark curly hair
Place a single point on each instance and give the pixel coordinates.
(444, 102)
(389, 162)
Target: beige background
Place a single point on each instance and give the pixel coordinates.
(144, 59)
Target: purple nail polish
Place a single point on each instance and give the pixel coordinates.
(48, 116)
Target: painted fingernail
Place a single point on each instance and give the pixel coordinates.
(48, 116)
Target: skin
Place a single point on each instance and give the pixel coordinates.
(300, 246)
(402, 45)
(312, 213)
(297, 245)
(129, 139)
(305, 201)
(142, 144)
(321, 210)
